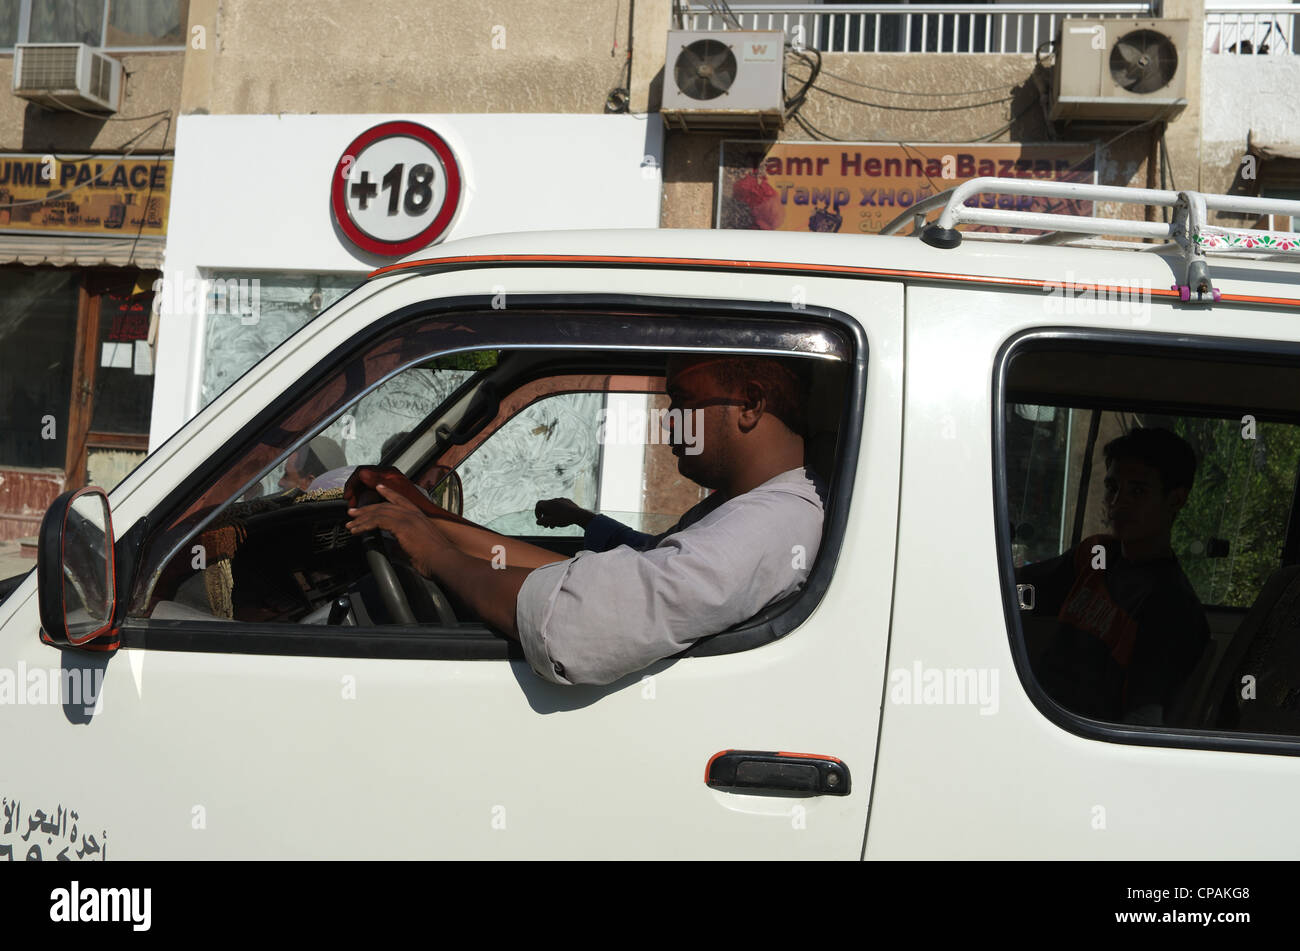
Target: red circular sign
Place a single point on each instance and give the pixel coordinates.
(395, 189)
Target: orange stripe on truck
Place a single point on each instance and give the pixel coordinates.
(841, 269)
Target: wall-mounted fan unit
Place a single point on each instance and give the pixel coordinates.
(1120, 69)
(724, 79)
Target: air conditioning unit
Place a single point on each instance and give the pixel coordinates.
(1120, 69)
(724, 79)
(64, 75)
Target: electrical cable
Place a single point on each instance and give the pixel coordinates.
(1038, 53)
(726, 10)
(91, 115)
(723, 13)
(928, 179)
(139, 232)
(1012, 121)
(816, 132)
(811, 82)
(903, 92)
(809, 127)
(1169, 165)
(794, 103)
(877, 105)
(1109, 142)
(619, 99)
(123, 152)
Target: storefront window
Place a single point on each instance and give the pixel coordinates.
(38, 330)
(124, 376)
(250, 313)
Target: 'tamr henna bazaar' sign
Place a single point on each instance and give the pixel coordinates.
(857, 188)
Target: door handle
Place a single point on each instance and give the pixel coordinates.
(807, 773)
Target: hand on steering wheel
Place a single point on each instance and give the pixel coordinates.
(413, 532)
(360, 488)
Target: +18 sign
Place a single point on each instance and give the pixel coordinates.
(395, 189)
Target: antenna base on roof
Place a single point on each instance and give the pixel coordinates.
(944, 238)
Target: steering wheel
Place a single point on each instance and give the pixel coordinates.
(391, 591)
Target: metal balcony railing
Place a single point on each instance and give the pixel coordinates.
(909, 27)
(1262, 30)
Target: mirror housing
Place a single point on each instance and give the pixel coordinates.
(75, 573)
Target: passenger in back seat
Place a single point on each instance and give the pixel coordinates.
(1130, 628)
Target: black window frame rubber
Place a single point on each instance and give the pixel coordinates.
(469, 642)
(1140, 343)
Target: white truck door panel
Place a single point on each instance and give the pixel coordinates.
(226, 755)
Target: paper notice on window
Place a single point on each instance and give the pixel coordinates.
(116, 355)
(143, 358)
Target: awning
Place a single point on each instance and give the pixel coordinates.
(1272, 149)
(66, 250)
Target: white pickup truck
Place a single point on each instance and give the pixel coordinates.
(219, 669)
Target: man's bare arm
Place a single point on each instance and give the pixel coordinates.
(479, 543)
(491, 592)
(470, 538)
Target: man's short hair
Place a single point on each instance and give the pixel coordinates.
(785, 382)
(1166, 452)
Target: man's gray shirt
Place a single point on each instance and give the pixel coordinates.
(600, 615)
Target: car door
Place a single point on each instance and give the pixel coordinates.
(238, 738)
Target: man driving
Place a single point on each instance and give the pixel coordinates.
(602, 614)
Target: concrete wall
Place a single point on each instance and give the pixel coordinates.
(563, 171)
(1005, 94)
(417, 56)
(152, 84)
(1243, 96)
(691, 159)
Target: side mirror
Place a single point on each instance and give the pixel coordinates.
(74, 568)
(448, 491)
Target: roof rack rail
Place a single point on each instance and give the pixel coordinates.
(1189, 228)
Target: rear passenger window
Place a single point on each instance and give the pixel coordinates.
(1154, 563)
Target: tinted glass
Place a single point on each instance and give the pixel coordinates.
(1149, 497)
(38, 326)
(124, 372)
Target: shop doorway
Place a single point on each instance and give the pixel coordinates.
(76, 384)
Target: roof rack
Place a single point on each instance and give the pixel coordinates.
(1188, 230)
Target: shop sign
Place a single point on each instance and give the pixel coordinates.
(857, 188)
(396, 189)
(102, 195)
